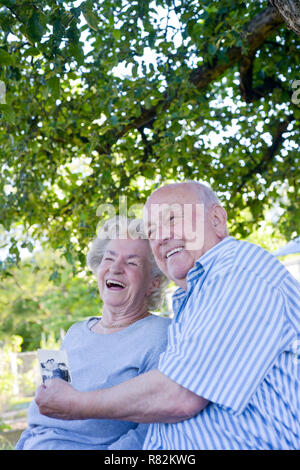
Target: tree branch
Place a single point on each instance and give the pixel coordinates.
(290, 12)
(147, 145)
(258, 29)
(248, 93)
(270, 152)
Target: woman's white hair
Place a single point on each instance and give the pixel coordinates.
(121, 227)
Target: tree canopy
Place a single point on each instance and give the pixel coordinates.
(107, 98)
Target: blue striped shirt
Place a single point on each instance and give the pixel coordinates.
(234, 340)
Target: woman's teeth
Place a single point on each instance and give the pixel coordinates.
(113, 283)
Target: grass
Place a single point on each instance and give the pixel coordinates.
(5, 444)
(13, 421)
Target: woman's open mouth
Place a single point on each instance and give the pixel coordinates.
(113, 284)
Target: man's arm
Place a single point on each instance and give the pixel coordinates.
(147, 398)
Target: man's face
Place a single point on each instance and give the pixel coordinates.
(174, 223)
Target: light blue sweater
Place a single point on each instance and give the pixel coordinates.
(100, 361)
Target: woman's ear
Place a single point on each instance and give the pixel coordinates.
(154, 285)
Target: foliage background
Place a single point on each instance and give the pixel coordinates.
(37, 302)
(107, 98)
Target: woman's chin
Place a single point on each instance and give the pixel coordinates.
(114, 298)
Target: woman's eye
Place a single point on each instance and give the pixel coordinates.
(151, 232)
(133, 264)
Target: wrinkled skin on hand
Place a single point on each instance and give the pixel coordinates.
(57, 399)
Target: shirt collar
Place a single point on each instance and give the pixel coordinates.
(202, 265)
(211, 255)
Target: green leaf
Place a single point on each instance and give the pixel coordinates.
(5, 22)
(54, 87)
(58, 29)
(35, 30)
(76, 51)
(68, 257)
(9, 3)
(8, 115)
(32, 52)
(152, 39)
(114, 120)
(91, 19)
(55, 277)
(6, 58)
(134, 70)
(117, 34)
(212, 49)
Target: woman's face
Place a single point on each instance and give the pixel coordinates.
(124, 275)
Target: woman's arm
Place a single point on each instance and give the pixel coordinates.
(147, 398)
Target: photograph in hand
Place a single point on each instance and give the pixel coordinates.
(54, 364)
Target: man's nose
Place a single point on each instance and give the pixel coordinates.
(165, 232)
(162, 236)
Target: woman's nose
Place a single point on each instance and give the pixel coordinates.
(117, 266)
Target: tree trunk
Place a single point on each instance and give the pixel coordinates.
(290, 12)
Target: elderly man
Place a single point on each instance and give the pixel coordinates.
(229, 376)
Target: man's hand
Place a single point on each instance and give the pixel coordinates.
(57, 399)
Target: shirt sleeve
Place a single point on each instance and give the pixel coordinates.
(231, 336)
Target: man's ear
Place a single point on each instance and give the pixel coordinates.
(154, 285)
(218, 218)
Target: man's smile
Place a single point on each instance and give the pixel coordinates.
(173, 251)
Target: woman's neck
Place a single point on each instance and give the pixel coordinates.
(113, 321)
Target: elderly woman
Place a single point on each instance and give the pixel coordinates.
(105, 351)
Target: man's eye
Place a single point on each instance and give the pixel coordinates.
(108, 259)
(133, 264)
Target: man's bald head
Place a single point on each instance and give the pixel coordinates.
(205, 194)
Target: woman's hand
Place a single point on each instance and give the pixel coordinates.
(58, 399)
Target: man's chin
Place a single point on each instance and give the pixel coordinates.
(179, 267)
(177, 275)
